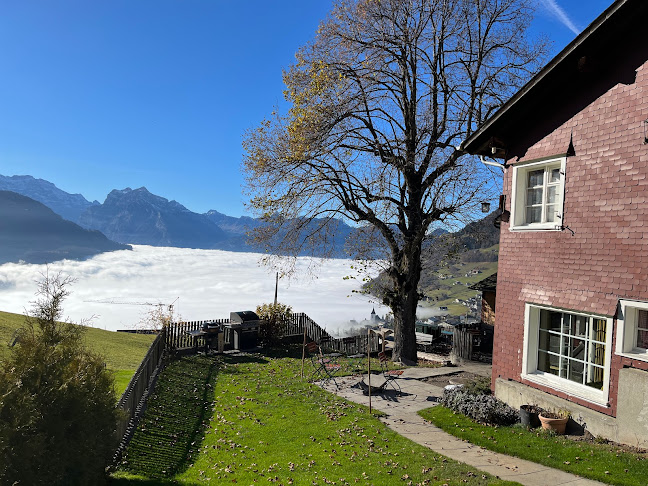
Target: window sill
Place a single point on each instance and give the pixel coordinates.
(536, 227)
(639, 355)
(564, 386)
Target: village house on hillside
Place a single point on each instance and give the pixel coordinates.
(571, 330)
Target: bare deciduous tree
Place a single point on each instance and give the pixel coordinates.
(381, 101)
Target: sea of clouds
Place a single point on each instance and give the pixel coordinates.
(208, 284)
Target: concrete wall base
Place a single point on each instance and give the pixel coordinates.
(629, 427)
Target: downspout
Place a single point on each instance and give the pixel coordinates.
(494, 164)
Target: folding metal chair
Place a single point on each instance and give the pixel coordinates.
(389, 375)
(323, 368)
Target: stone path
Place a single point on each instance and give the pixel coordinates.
(402, 417)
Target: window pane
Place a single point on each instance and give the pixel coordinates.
(574, 370)
(552, 194)
(533, 215)
(550, 320)
(549, 342)
(551, 213)
(534, 196)
(548, 363)
(554, 175)
(595, 376)
(580, 326)
(535, 178)
(574, 347)
(642, 329)
(598, 330)
(567, 324)
(642, 338)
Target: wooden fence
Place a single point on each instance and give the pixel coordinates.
(348, 345)
(134, 398)
(471, 342)
(177, 337)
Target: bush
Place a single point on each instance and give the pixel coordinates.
(478, 386)
(275, 318)
(57, 404)
(485, 409)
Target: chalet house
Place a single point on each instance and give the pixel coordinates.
(571, 329)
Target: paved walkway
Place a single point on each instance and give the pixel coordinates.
(402, 417)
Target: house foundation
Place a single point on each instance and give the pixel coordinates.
(630, 426)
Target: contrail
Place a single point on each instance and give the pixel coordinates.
(557, 10)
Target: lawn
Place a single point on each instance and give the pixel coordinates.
(123, 352)
(601, 462)
(251, 419)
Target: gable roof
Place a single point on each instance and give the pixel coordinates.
(581, 62)
(488, 284)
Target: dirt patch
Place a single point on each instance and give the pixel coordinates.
(589, 438)
(457, 378)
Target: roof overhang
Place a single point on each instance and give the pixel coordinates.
(562, 77)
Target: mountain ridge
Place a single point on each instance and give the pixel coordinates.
(33, 233)
(67, 205)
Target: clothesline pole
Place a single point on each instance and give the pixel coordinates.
(303, 352)
(369, 365)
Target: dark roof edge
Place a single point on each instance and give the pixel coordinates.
(560, 57)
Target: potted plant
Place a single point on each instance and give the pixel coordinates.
(556, 421)
(529, 415)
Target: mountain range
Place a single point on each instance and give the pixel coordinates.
(69, 206)
(33, 233)
(136, 216)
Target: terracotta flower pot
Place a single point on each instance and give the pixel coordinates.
(557, 424)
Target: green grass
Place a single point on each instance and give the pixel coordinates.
(123, 352)
(122, 379)
(600, 462)
(250, 419)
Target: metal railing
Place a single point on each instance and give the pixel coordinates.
(133, 399)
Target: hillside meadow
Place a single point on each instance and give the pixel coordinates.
(122, 352)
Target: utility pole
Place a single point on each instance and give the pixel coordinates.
(276, 287)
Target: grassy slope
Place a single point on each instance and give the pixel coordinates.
(123, 352)
(250, 419)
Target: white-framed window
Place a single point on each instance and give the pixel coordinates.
(567, 351)
(632, 329)
(538, 193)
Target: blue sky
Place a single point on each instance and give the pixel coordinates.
(104, 95)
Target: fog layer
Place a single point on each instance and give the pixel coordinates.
(209, 284)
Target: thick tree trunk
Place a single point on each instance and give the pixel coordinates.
(404, 328)
(403, 302)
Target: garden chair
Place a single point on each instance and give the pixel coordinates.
(389, 375)
(323, 368)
